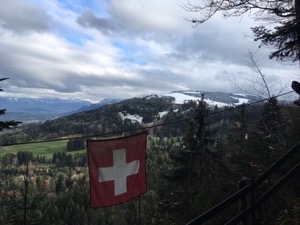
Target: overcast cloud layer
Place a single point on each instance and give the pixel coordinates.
(94, 49)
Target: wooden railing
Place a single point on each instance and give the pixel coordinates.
(249, 190)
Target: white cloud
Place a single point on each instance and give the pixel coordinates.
(150, 16)
(21, 16)
(99, 49)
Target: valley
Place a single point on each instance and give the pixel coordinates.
(230, 137)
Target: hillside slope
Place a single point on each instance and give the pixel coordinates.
(130, 114)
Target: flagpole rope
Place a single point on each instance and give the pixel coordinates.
(146, 128)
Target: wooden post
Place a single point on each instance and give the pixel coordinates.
(246, 201)
(25, 195)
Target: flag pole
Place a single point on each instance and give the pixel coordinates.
(139, 210)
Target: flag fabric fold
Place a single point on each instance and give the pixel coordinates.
(117, 169)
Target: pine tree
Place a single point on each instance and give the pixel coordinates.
(193, 168)
(10, 123)
(254, 147)
(237, 146)
(24, 206)
(271, 133)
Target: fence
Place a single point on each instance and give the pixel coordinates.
(250, 189)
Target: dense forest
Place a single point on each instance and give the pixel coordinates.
(196, 157)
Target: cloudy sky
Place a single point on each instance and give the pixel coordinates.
(95, 49)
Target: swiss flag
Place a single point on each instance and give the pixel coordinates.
(117, 169)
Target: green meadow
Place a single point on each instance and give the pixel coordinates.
(39, 149)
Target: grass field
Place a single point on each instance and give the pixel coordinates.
(39, 149)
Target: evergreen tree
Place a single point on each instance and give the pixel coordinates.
(193, 167)
(10, 123)
(24, 157)
(25, 205)
(252, 148)
(271, 133)
(75, 144)
(60, 184)
(271, 123)
(240, 156)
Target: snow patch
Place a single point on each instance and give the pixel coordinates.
(240, 94)
(241, 100)
(161, 114)
(152, 96)
(214, 103)
(131, 117)
(181, 98)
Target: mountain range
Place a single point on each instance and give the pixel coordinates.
(38, 109)
(42, 109)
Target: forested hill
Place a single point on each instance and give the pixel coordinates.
(211, 153)
(29, 110)
(126, 115)
(114, 117)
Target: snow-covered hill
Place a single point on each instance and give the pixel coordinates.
(34, 110)
(181, 98)
(219, 99)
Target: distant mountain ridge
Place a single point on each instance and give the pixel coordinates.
(38, 109)
(106, 101)
(42, 109)
(128, 114)
(61, 105)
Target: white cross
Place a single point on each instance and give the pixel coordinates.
(119, 171)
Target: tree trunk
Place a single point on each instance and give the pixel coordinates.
(297, 9)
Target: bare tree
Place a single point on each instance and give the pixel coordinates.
(285, 13)
(257, 83)
(259, 86)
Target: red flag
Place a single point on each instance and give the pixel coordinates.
(117, 169)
